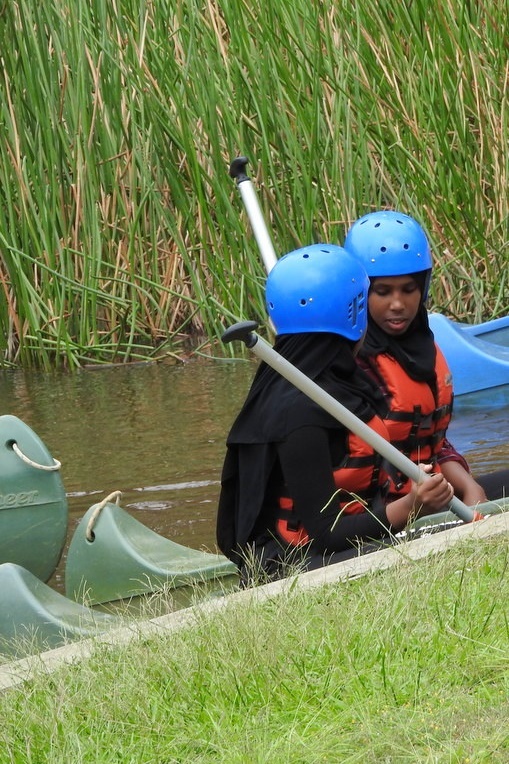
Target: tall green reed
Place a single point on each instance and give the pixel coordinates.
(121, 235)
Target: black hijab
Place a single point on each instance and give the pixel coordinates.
(272, 410)
(414, 350)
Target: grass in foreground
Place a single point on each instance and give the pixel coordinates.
(410, 665)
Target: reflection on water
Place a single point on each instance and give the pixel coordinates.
(157, 433)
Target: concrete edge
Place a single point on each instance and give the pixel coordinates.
(24, 669)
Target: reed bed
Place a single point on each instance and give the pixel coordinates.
(121, 235)
(405, 666)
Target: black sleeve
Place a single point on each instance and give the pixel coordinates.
(307, 468)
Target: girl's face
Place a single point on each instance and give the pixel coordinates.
(393, 303)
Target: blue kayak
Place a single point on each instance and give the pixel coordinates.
(478, 356)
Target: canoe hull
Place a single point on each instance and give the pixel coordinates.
(33, 503)
(36, 618)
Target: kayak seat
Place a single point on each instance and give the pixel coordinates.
(495, 331)
(35, 617)
(122, 558)
(476, 363)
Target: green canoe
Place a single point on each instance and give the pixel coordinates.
(114, 559)
(33, 503)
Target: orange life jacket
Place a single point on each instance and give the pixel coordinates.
(360, 479)
(417, 421)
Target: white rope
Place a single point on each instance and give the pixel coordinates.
(97, 511)
(48, 468)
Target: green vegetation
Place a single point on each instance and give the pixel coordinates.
(122, 236)
(409, 665)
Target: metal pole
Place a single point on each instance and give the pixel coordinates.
(248, 193)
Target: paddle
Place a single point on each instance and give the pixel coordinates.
(245, 331)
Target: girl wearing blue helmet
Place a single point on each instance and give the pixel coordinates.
(400, 353)
(297, 488)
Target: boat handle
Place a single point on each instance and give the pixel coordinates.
(48, 468)
(90, 535)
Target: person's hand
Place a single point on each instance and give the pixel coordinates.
(432, 494)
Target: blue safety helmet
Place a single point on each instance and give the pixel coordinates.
(320, 288)
(390, 243)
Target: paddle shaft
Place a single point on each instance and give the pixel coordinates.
(245, 331)
(248, 194)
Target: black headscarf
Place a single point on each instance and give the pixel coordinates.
(273, 409)
(414, 350)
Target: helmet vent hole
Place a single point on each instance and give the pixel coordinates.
(355, 308)
(377, 225)
(406, 246)
(383, 249)
(352, 312)
(303, 301)
(305, 256)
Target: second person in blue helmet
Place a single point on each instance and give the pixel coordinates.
(400, 353)
(297, 488)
